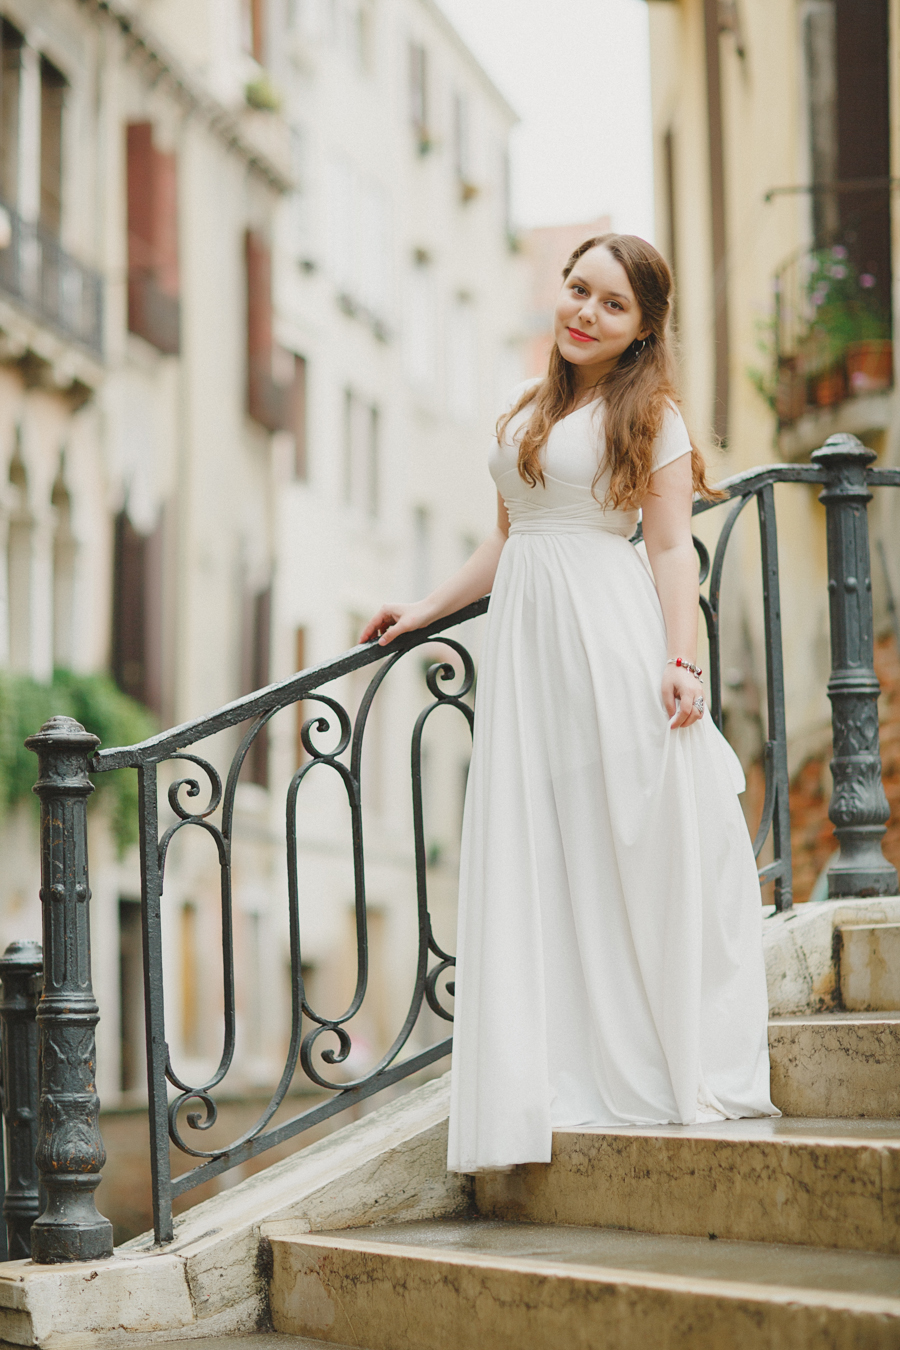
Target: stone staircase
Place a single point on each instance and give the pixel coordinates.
(778, 1234)
(745, 1234)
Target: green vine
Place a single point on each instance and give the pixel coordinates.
(100, 707)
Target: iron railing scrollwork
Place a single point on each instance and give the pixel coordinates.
(193, 1105)
(47, 281)
(333, 741)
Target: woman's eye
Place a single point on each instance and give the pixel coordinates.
(614, 304)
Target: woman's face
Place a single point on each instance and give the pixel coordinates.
(597, 316)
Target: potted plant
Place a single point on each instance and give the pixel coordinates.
(847, 341)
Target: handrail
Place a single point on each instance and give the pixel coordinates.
(274, 696)
(70, 1228)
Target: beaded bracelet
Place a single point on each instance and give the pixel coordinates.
(685, 665)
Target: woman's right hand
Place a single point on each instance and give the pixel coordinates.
(392, 620)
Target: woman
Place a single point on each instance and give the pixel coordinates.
(609, 966)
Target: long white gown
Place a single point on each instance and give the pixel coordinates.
(609, 957)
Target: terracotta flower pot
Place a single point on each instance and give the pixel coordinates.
(829, 387)
(870, 365)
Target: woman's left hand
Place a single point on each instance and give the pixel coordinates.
(679, 684)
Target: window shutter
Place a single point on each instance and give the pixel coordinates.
(153, 287)
(268, 402)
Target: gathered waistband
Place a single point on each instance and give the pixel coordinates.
(525, 518)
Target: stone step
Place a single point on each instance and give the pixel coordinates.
(451, 1285)
(869, 965)
(823, 1183)
(836, 1064)
(257, 1340)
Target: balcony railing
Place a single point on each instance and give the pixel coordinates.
(832, 331)
(49, 283)
(70, 1150)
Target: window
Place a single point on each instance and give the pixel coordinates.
(255, 661)
(361, 453)
(153, 285)
(418, 96)
(862, 89)
(137, 612)
(359, 243)
(268, 397)
(53, 87)
(10, 81)
(846, 45)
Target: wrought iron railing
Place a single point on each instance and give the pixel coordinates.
(70, 1150)
(48, 282)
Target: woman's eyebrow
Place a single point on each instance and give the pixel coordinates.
(614, 295)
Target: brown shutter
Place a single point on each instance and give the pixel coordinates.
(153, 289)
(267, 402)
(10, 81)
(137, 619)
(53, 86)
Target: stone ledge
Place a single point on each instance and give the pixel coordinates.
(388, 1166)
(208, 1282)
(799, 950)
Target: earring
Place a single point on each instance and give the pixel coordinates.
(639, 349)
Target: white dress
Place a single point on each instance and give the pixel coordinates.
(609, 957)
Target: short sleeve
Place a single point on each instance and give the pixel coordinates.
(518, 390)
(673, 440)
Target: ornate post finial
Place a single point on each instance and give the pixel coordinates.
(859, 808)
(20, 971)
(70, 1151)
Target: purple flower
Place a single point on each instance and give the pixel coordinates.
(839, 251)
(838, 270)
(867, 281)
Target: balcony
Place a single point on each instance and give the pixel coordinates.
(48, 283)
(832, 363)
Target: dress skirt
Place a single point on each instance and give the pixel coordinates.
(610, 966)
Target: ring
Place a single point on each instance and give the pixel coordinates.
(699, 704)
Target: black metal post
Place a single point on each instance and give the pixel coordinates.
(859, 808)
(20, 977)
(70, 1150)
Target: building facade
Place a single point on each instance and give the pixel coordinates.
(776, 139)
(253, 400)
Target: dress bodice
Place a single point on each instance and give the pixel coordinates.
(565, 503)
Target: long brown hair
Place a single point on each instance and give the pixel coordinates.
(637, 392)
